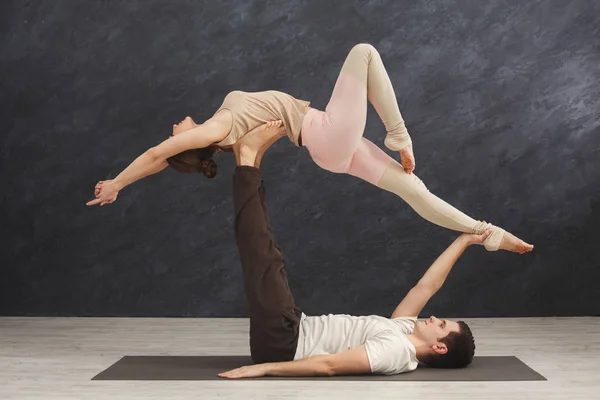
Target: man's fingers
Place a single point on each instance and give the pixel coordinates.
(93, 202)
(228, 374)
(274, 124)
(486, 234)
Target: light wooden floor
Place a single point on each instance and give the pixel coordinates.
(55, 358)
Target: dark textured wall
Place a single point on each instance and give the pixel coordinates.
(501, 98)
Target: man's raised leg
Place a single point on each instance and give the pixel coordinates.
(274, 317)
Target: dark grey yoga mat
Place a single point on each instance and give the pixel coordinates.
(201, 368)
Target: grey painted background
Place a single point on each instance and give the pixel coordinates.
(501, 98)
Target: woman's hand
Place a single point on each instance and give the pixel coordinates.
(106, 192)
(408, 159)
(250, 371)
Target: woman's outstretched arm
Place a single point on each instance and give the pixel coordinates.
(154, 159)
(143, 166)
(107, 191)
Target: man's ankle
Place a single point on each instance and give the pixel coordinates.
(247, 161)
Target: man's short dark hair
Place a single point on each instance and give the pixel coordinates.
(461, 349)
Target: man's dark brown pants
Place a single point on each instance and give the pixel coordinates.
(274, 317)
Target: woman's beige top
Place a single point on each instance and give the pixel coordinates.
(251, 109)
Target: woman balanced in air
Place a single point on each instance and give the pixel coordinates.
(334, 139)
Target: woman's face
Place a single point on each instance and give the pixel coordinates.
(187, 123)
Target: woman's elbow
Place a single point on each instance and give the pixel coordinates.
(154, 154)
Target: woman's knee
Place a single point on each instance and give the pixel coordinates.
(364, 48)
(363, 52)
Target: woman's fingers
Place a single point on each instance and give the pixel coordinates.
(107, 202)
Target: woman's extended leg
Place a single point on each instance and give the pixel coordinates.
(373, 165)
(335, 141)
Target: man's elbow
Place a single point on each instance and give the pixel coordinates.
(428, 288)
(327, 368)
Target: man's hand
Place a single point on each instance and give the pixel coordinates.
(471, 238)
(250, 148)
(106, 192)
(408, 159)
(250, 371)
(275, 126)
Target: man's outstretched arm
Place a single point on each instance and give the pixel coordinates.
(350, 362)
(435, 276)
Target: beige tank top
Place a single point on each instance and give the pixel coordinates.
(251, 109)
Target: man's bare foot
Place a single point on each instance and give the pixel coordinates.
(252, 146)
(512, 243)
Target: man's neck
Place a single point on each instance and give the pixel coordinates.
(421, 349)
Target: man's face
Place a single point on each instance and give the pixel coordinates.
(432, 329)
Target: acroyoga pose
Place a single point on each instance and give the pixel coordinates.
(286, 342)
(334, 139)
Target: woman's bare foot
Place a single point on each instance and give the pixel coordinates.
(512, 243)
(251, 147)
(499, 239)
(407, 159)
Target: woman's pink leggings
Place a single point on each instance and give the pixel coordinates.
(335, 141)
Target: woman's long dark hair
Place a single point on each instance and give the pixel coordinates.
(196, 160)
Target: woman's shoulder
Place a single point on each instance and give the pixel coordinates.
(235, 93)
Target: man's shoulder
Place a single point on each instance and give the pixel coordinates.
(402, 326)
(391, 352)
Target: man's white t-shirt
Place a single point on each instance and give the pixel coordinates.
(386, 340)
